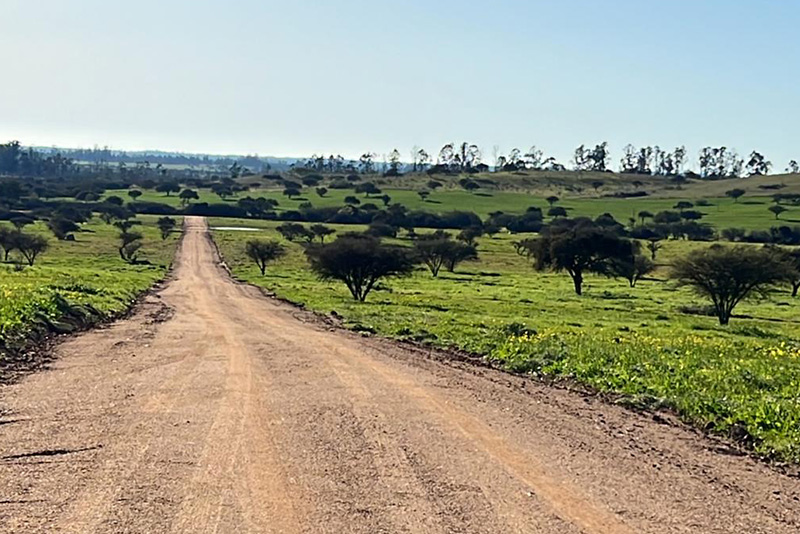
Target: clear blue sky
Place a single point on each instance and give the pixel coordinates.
(296, 77)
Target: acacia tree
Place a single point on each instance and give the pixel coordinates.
(793, 274)
(187, 195)
(263, 252)
(166, 225)
(360, 262)
(735, 194)
(291, 231)
(432, 250)
(7, 241)
(321, 231)
(459, 253)
(777, 210)
(633, 268)
(437, 250)
(129, 242)
(30, 246)
(168, 188)
(62, 228)
(728, 275)
(579, 246)
(654, 245)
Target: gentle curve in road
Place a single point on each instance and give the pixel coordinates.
(216, 409)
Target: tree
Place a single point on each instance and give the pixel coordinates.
(263, 252)
(386, 199)
(359, 262)
(667, 217)
(187, 195)
(166, 225)
(469, 185)
(557, 211)
(423, 195)
(30, 246)
(597, 184)
(321, 231)
(793, 167)
(62, 228)
(728, 275)
(777, 210)
(792, 258)
(168, 188)
(437, 250)
(758, 164)
(8, 240)
(394, 163)
(351, 200)
(645, 215)
(735, 194)
(311, 180)
(222, 190)
(579, 246)
(459, 253)
(368, 188)
(291, 192)
(134, 194)
(552, 200)
(433, 250)
(291, 231)
(322, 191)
(470, 235)
(683, 205)
(691, 215)
(129, 242)
(632, 268)
(21, 221)
(654, 245)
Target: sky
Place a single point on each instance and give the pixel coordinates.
(292, 78)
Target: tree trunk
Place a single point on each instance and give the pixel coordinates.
(577, 280)
(724, 315)
(795, 288)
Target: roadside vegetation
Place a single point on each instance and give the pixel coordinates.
(657, 343)
(75, 282)
(668, 283)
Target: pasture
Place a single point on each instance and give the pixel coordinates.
(87, 271)
(651, 343)
(721, 212)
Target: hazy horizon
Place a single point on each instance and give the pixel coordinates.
(289, 80)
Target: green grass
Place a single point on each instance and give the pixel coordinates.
(750, 212)
(744, 378)
(86, 271)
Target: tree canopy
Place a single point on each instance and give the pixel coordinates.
(728, 275)
(360, 262)
(579, 246)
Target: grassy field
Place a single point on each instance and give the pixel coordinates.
(749, 212)
(741, 380)
(86, 271)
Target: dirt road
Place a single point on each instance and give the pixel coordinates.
(216, 409)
